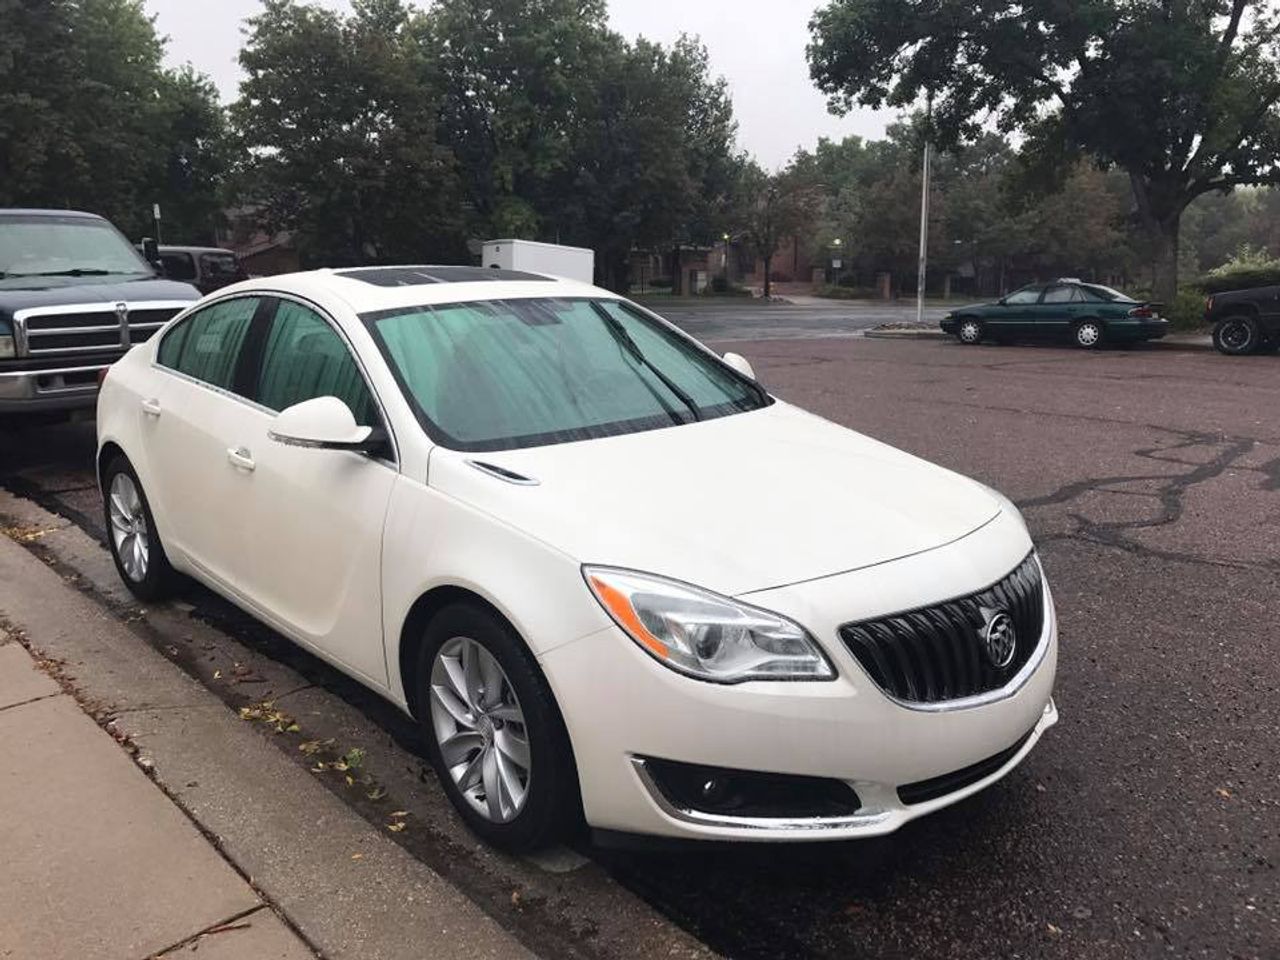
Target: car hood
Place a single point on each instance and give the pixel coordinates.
(737, 504)
(65, 291)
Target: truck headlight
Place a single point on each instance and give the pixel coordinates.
(703, 634)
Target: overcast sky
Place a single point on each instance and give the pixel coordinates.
(758, 45)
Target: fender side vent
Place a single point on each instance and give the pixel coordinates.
(502, 473)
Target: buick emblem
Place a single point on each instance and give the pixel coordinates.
(999, 638)
(122, 312)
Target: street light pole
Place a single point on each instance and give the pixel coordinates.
(924, 211)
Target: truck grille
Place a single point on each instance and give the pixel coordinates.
(94, 328)
(938, 653)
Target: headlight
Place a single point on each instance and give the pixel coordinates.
(703, 634)
(6, 344)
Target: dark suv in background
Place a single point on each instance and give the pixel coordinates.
(74, 296)
(1244, 321)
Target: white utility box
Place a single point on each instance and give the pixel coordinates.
(572, 263)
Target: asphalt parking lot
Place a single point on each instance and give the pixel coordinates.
(1147, 823)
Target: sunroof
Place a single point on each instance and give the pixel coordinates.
(419, 276)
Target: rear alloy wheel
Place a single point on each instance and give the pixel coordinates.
(969, 331)
(1236, 336)
(1088, 334)
(131, 534)
(493, 731)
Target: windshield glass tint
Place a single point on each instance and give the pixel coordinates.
(44, 245)
(495, 375)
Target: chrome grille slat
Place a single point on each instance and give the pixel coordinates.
(90, 328)
(935, 654)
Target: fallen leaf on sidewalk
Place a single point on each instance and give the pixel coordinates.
(396, 827)
(314, 746)
(377, 793)
(357, 856)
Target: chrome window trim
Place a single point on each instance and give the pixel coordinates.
(1016, 682)
(393, 462)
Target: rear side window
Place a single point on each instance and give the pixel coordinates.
(305, 358)
(206, 345)
(1062, 295)
(178, 266)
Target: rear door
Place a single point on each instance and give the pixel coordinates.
(314, 518)
(189, 427)
(1057, 310)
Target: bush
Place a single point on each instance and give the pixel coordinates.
(662, 283)
(1187, 310)
(1250, 267)
(845, 293)
(848, 280)
(720, 287)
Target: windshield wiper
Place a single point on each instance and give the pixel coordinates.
(620, 334)
(73, 272)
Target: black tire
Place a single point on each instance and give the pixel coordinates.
(1089, 334)
(551, 805)
(1237, 335)
(969, 331)
(159, 580)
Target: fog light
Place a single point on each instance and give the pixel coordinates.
(746, 793)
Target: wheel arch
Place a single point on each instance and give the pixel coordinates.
(106, 453)
(421, 612)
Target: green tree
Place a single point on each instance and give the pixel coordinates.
(1180, 96)
(338, 121)
(89, 119)
(772, 206)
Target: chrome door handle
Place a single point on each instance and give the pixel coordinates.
(151, 407)
(241, 458)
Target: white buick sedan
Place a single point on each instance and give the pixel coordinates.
(608, 573)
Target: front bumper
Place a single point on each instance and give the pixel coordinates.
(58, 388)
(621, 707)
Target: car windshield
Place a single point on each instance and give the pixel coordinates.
(1106, 293)
(52, 246)
(502, 374)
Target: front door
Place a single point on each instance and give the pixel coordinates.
(1015, 316)
(315, 517)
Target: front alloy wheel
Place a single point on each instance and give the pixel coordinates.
(480, 729)
(493, 730)
(969, 331)
(1089, 334)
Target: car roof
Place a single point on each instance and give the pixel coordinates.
(374, 289)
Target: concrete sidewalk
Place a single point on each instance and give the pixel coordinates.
(99, 859)
(98, 862)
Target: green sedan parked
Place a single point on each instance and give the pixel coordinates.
(1086, 313)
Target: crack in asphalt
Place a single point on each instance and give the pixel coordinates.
(1171, 497)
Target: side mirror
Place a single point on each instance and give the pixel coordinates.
(739, 363)
(325, 423)
(151, 253)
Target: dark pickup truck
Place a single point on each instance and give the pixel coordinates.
(1244, 321)
(74, 296)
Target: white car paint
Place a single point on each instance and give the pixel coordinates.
(791, 512)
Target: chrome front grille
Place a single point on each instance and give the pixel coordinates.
(939, 653)
(90, 328)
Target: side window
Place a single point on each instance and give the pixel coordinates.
(1024, 296)
(1062, 295)
(178, 266)
(305, 358)
(207, 344)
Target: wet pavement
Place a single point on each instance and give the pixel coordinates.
(1147, 823)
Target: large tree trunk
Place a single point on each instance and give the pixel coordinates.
(1160, 207)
